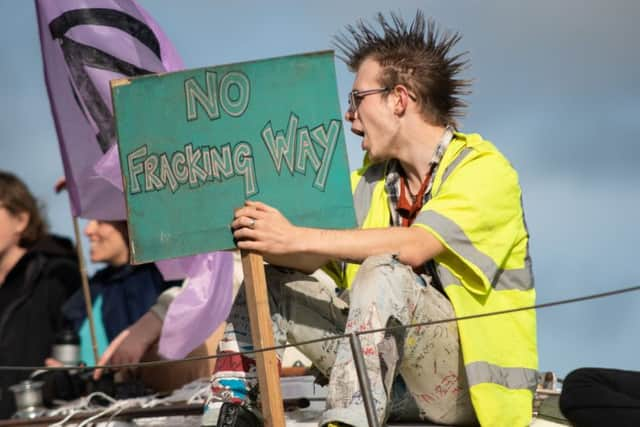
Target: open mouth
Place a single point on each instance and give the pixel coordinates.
(357, 132)
(361, 134)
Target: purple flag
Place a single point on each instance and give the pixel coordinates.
(86, 43)
(201, 306)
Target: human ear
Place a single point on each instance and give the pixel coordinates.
(22, 222)
(401, 99)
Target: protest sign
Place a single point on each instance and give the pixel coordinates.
(195, 144)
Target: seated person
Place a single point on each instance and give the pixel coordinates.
(121, 293)
(38, 272)
(139, 342)
(441, 235)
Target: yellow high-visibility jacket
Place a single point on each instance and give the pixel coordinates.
(475, 211)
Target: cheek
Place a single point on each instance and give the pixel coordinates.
(113, 247)
(9, 236)
(5, 238)
(107, 237)
(373, 120)
(121, 247)
(95, 249)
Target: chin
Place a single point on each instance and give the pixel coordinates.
(93, 257)
(373, 158)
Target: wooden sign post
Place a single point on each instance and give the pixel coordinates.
(255, 286)
(195, 144)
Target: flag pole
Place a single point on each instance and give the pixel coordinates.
(85, 290)
(59, 186)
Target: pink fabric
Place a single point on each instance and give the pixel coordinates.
(202, 305)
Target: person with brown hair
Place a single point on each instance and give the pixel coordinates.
(121, 293)
(38, 272)
(441, 234)
(129, 305)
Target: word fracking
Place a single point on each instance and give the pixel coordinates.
(195, 166)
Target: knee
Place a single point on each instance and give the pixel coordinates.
(378, 261)
(296, 285)
(302, 293)
(295, 293)
(380, 271)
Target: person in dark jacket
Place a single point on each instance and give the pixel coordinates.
(38, 273)
(121, 293)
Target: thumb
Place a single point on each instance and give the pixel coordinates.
(109, 352)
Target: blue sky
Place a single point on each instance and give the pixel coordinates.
(555, 88)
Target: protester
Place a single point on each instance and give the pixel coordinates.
(441, 234)
(594, 397)
(139, 341)
(131, 344)
(121, 293)
(38, 272)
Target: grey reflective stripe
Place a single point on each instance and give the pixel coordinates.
(512, 378)
(511, 279)
(519, 278)
(446, 277)
(464, 153)
(364, 191)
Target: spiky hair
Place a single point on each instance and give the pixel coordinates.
(417, 56)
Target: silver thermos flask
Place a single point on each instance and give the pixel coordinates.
(67, 348)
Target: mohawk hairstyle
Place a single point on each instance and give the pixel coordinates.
(417, 56)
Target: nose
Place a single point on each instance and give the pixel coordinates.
(350, 116)
(90, 228)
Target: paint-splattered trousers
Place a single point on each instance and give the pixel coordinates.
(385, 293)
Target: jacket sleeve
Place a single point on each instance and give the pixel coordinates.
(477, 215)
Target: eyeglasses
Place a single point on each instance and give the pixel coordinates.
(355, 97)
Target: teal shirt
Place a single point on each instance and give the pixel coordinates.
(86, 349)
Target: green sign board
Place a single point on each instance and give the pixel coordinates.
(195, 144)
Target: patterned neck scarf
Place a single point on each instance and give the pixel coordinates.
(395, 177)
